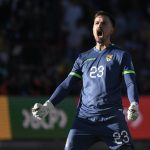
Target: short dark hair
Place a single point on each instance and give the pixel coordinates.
(104, 13)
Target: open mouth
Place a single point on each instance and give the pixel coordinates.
(100, 33)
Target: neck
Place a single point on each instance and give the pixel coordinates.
(102, 46)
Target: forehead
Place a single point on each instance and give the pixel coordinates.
(101, 18)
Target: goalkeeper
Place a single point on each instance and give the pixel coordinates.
(99, 114)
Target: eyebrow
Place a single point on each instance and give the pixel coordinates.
(105, 20)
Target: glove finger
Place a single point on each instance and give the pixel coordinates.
(132, 116)
(40, 114)
(132, 110)
(37, 106)
(35, 109)
(37, 117)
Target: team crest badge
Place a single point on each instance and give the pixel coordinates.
(109, 57)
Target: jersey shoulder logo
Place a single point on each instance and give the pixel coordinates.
(109, 57)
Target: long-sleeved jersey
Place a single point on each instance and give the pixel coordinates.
(101, 73)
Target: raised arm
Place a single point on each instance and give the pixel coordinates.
(40, 111)
(63, 89)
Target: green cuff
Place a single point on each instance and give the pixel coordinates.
(128, 72)
(75, 74)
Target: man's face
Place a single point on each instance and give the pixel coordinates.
(102, 29)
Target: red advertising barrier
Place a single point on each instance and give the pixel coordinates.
(140, 129)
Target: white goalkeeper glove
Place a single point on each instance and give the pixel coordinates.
(133, 111)
(40, 111)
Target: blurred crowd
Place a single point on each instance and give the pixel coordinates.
(40, 39)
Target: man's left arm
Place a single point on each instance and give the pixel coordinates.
(130, 81)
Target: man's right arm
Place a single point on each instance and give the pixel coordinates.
(39, 111)
(63, 89)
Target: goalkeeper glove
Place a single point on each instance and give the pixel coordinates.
(40, 111)
(133, 111)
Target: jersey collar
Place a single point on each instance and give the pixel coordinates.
(97, 50)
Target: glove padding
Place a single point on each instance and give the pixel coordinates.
(40, 111)
(133, 111)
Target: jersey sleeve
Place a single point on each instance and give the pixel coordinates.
(64, 88)
(76, 70)
(130, 78)
(127, 66)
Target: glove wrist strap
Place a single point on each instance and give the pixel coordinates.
(49, 105)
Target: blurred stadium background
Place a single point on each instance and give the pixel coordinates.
(39, 41)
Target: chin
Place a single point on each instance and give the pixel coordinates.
(100, 41)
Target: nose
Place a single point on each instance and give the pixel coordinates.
(100, 25)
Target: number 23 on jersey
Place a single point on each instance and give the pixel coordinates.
(96, 71)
